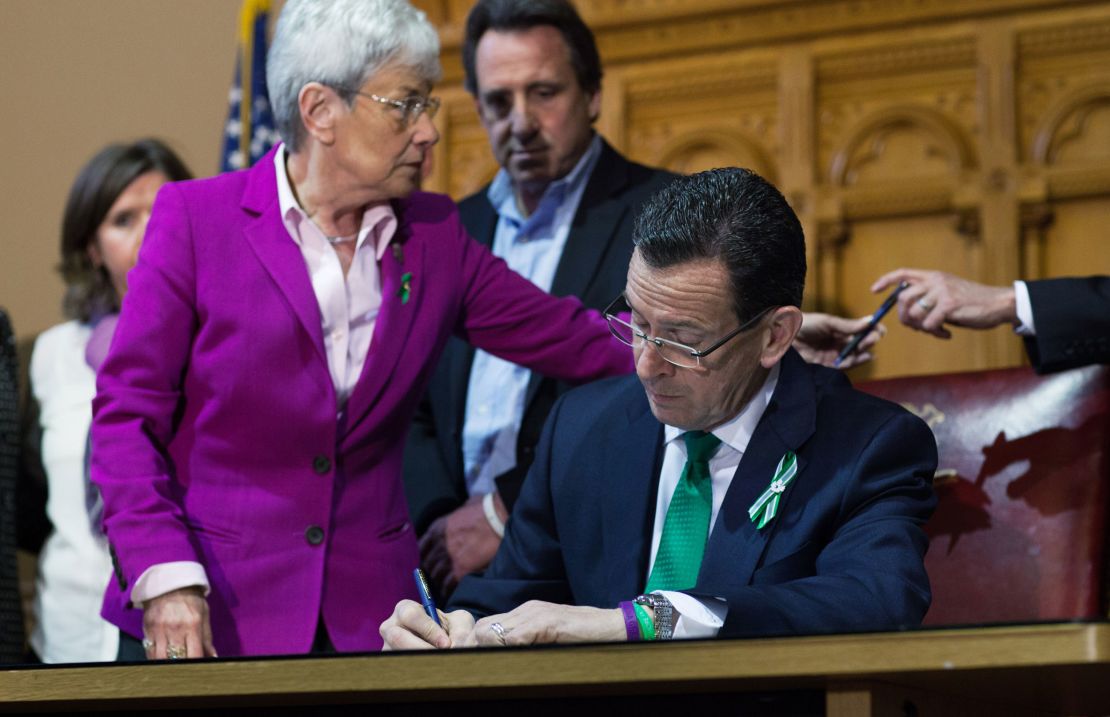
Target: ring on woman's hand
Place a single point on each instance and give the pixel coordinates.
(147, 643)
(498, 630)
(926, 305)
(175, 652)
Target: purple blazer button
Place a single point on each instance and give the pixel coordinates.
(314, 535)
(321, 464)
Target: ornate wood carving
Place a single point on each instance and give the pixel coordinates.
(937, 139)
(689, 117)
(706, 149)
(1068, 121)
(968, 136)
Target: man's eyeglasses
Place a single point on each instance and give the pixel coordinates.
(411, 107)
(670, 351)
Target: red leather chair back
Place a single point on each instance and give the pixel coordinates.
(1020, 532)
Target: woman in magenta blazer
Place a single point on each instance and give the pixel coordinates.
(278, 331)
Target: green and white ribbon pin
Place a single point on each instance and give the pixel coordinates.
(765, 507)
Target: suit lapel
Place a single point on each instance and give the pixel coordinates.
(277, 252)
(479, 218)
(630, 474)
(735, 546)
(395, 319)
(477, 214)
(595, 223)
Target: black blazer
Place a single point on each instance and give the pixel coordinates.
(11, 616)
(593, 267)
(844, 553)
(1072, 318)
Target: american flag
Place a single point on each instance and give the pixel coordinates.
(249, 132)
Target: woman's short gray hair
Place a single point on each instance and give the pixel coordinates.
(342, 43)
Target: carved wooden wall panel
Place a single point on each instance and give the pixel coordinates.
(1064, 96)
(972, 137)
(1076, 242)
(898, 143)
(699, 115)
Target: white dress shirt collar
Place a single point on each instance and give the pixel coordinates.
(503, 199)
(737, 432)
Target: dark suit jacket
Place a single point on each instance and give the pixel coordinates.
(11, 617)
(593, 267)
(844, 553)
(1072, 318)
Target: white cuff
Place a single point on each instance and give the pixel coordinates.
(1024, 310)
(693, 617)
(494, 519)
(166, 577)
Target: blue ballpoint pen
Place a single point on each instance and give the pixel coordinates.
(875, 319)
(426, 595)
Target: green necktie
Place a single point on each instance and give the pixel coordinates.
(686, 527)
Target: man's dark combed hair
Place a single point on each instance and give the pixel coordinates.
(738, 217)
(509, 15)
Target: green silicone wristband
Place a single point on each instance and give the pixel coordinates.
(647, 625)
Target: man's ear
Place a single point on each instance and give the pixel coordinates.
(319, 107)
(481, 114)
(595, 106)
(783, 325)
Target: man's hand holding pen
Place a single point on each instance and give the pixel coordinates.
(533, 623)
(936, 298)
(410, 628)
(823, 337)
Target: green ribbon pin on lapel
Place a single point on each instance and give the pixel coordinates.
(406, 287)
(766, 506)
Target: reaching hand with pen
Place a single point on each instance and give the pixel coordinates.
(936, 298)
(823, 337)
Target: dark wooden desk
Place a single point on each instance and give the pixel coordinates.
(1023, 670)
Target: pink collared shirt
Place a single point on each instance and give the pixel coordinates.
(348, 310)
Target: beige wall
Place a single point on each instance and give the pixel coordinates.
(78, 74)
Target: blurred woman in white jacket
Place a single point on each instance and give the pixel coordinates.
(105, 217)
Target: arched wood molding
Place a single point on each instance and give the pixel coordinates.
(957, 149)
(726, 144)
(1053, 131)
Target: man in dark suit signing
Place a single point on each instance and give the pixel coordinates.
(736, 489)
(560, 212)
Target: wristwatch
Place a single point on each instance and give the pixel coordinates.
(664, 614)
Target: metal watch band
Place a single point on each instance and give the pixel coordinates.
(664, 614)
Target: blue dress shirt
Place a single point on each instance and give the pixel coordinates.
(532, 247)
